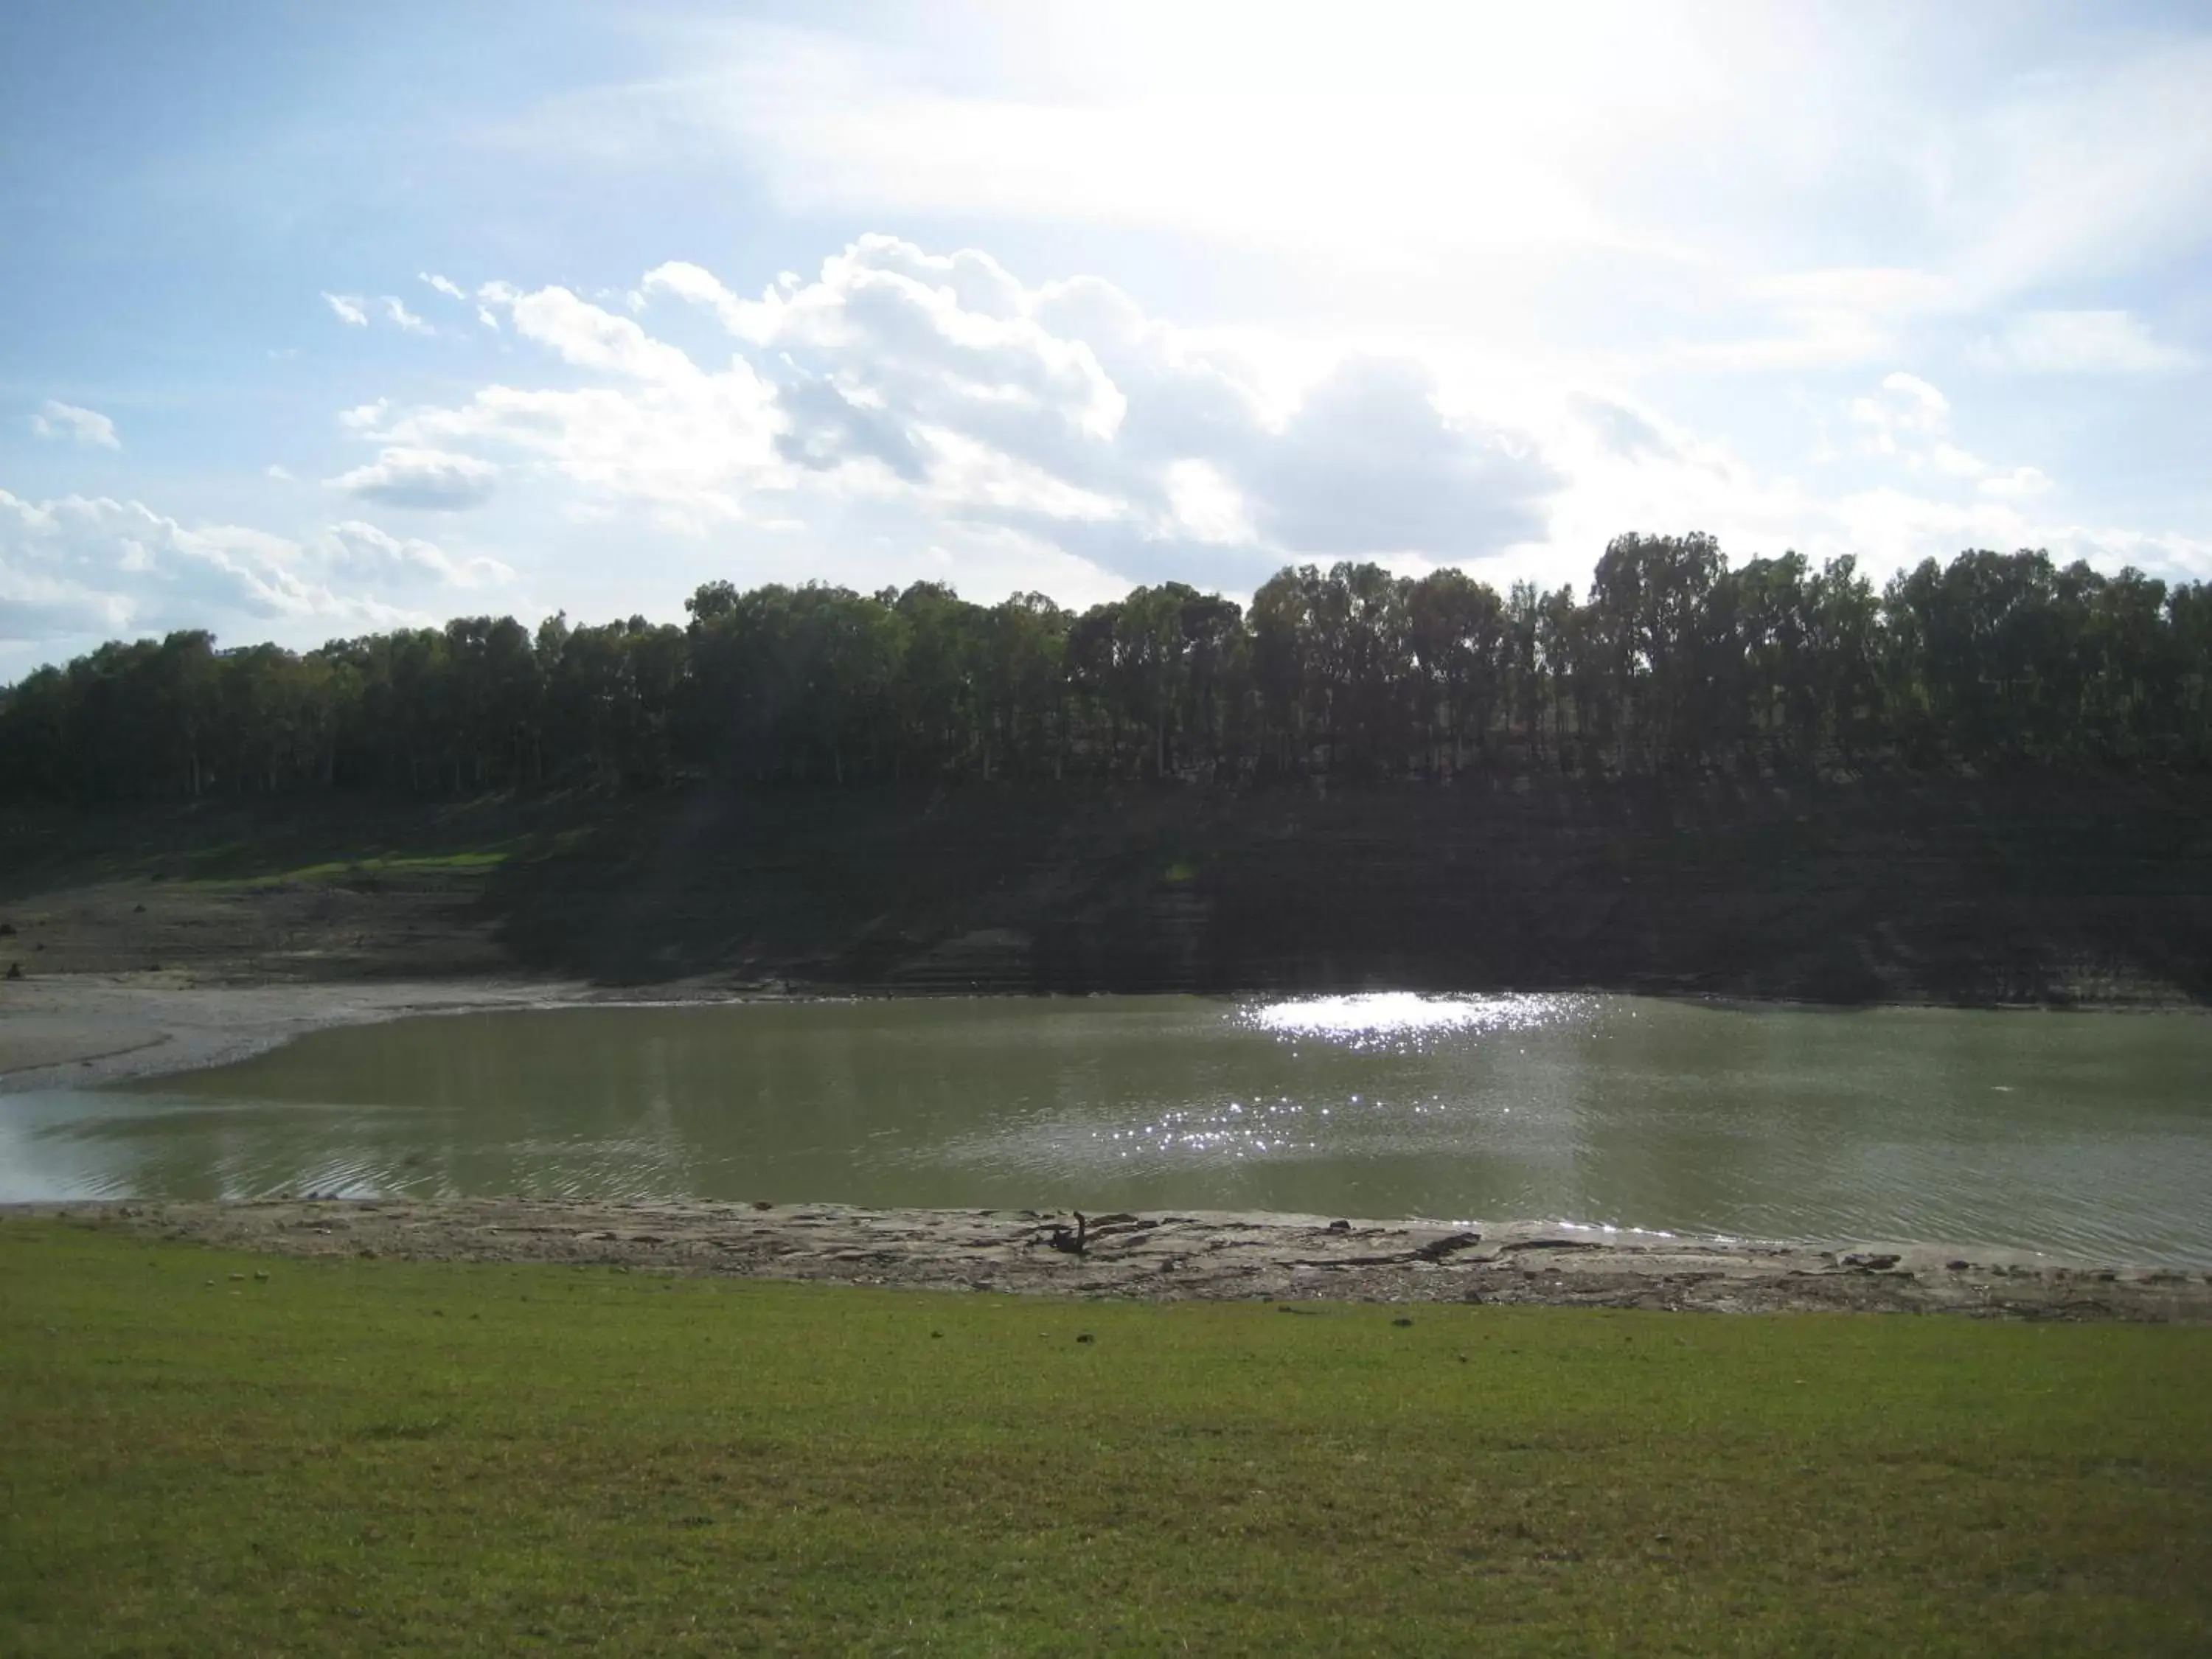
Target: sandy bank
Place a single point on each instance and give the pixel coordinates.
(1172, 1257)
(74, 1030)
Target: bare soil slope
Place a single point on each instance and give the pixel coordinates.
(2047, 889)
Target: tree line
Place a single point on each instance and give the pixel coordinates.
(1674, 659)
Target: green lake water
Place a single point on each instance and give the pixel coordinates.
(2083, 1134)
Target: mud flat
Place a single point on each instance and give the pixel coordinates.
(1172, 1257)
(77, 1029)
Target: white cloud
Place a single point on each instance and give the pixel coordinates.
(686, 443)
(445, 286)
(1368, 465)
(1153, 450)
(2079, 342)
(1458, 159)
(281, 473)
(2022, 481)
(1910, 420)
(1291, 137)
(900, 398)
(589, 337)
(80, 565)
(405, 320)
(944, 388)
(68, 422)
(1927, 498)
(78, 569)
(1892, 529)
(1206, 506)
(353, 310)
(1958, 462)
(484, 316)
(1926, 409)
(366, 553)
(438, 480)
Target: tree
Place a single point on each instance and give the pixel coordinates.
(1675, 660)
(1456, 629)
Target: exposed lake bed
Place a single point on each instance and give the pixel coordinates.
(1178, 1257)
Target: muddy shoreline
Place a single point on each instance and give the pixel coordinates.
(1178, 1257)
(85, 1030)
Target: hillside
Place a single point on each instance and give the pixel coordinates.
(2044, 888)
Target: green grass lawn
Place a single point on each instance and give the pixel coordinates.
(372, 1456)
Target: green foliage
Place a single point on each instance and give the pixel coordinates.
(1674, 661)
(373, 1456)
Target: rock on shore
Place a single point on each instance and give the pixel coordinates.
(1192, 1255)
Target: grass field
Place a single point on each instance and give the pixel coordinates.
(367, 1455)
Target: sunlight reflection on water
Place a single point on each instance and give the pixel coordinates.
(1401, 1020)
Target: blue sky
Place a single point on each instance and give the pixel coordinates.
(320, 319)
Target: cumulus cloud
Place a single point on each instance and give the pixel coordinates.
(945, 383)
(1909, 423)
(2079, 342)
(445, 286)
(83, 564)
(365, 552)
(348, 309)
(688, 443)
(67, 422)
(1368, 465)
(78, 568)
(435, 479)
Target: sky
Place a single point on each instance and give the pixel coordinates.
(320, 320)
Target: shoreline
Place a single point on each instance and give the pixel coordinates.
(79, 1030)
(1187, 1255)
(85, 1031)
(88, 1031)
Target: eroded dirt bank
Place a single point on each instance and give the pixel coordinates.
(1169, 1257)
(2059, 890)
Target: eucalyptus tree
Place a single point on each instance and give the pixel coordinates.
(1659, 632)
(1842, 637)
(1281, 623)
(1456, 629)
(1526, 690)
(1673, 660)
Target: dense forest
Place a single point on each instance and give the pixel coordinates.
(1675, 660)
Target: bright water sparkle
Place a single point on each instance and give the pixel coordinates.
(1379, 1019)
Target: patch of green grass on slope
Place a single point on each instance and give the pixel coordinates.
(367, 1455)
(456, 864)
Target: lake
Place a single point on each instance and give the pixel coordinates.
(2082, 1134)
